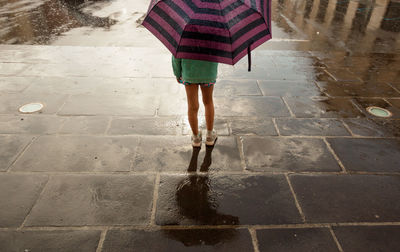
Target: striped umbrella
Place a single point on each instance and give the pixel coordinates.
(213, 30)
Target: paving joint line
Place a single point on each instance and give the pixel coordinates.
(259, 89)
(101, 240)
(303, 217)
(239, 140)
(348, 128)
(254, 239)
(335, 239)
(19, 155)
(106, 131)
(62, 106)
(276, 126)
(395, 89)
(292, 115)
(155, 199)
(335, 156)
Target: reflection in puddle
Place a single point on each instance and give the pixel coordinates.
(40, 21)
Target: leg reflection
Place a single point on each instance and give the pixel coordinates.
(193, 161)
(207, 159)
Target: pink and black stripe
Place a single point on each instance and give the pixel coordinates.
(214, 30)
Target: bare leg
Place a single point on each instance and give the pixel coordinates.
(208, 105)
(192, 93)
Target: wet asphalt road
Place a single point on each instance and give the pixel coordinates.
(300, 165)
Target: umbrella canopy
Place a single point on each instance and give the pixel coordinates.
(214, 30)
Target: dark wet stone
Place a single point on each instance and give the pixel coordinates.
(84, 125)
(297, 239)
(119, 104)
(368, 238)
(30, 124)
(395, 103)
(94, 200)
(18, 193)
(364, 103)
(375, 155)
(250, 106)
(289, 88)
(59, 240)
(322, 107)
(364, 89)
(10, 147)
(311, 127)
(348, 198)
(173, 153)
(342, 74)
(236, 87)
(261, 127)
(374, 127)
(146, 126)
(287, 154)
(225, 200)
(78, 153)
(178, 240)
(10, 103)
(220, 125)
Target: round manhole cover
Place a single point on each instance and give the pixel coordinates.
(31, 107)
(379, 112)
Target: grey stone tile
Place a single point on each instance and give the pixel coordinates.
(250, 106)
(348, 198)
(225, 200)
(178, 240)
(78, 153)
(10, 147)
(368, 238)
(311, 127)
(287, 154)
(343, 74)
(289, 88)
(13, 84)
(171, 153)
(352, 88)
(146, 126)
(236, 87)
(18, 194)
(177, 106)
(374, 127)
(296, 239)
(84, 125)
(12, 69)
(364, 103)
(10, 103)
(118, 104)
(253, 126)
(375, 155)
(322, 107)
(220, 125)
(30, 124)
(80, 200)
(60, 240)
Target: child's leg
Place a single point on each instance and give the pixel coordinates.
(208, 105)
(192, 93)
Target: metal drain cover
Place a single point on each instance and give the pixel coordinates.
(31, 107)
(379, 112)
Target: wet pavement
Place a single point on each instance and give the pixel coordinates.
(107, 165)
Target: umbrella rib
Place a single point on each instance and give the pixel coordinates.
(226, 27)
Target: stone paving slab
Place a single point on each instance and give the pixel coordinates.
(177, 106)
(92, 125)
(296, 239)
(220, 125)
(225, 87)
(118, 104)
(250, 106)
(173, 153)
(374, 127)
(342, 74)
(374, 155)
(13, 84)
(12, 69)
(25, 190)
(60, 240)
(145, 126)
(348, 198)
(368, 238)
(30, 124)
(225, 200)
(287, 154)
(83, 200)
(10, 147)
(305, 107)
(166, 240)
(10, 103)
(78, 154)
(311, 127)
(253, 126)
(357, 89)
(289, 88)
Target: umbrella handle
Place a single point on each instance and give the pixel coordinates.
(249, 56)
